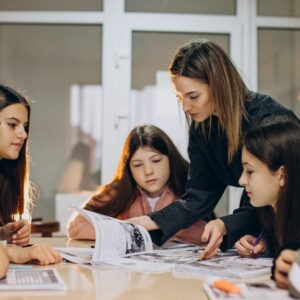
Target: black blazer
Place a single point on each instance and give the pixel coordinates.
(210, 174)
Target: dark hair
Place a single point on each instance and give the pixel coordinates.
(207, 62)
(14, 174)
(276, 142)
(122, 190)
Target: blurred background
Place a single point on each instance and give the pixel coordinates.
(95, 68)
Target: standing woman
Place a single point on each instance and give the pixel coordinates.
(220, 108)
(14, 181)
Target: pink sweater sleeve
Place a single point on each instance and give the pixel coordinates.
(79, 228)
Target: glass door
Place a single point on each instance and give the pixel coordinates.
(147, 49)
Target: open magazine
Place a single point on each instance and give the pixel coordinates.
(129, 246)
(114, 238)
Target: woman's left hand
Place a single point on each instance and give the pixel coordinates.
(213, 234)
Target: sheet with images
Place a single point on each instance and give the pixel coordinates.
(249, 291)
(32, 279)
(184, 260)
(228, 264)
(114, 238)
(163, 260)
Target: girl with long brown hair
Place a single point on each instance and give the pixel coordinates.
(14, 181)
(271, 161)
(151, 174)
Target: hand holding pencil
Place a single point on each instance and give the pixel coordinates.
(251, 246)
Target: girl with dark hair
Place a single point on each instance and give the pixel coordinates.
(151, 174)
(220, 108)
(271, 161)
(14, 181)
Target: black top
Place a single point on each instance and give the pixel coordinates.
(210, 174)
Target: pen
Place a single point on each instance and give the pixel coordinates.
(258, 239)
(225, 286)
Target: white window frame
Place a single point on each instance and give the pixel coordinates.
(117, 28)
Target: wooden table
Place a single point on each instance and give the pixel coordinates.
(108, 283)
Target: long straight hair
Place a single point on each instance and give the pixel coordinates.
(207, 62)
(123, 189)
(14, 174)
(276, 142)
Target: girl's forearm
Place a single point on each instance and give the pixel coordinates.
(18, 255)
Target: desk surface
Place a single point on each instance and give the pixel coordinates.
(108, 283)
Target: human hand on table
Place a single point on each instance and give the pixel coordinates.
(41, 254)
(213, 235)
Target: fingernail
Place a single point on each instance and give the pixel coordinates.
(204, 239)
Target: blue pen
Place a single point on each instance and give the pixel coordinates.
(258, 239)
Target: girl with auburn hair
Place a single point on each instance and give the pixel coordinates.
(221, 109)
(14, 183)
(271, 161)
(151, 174)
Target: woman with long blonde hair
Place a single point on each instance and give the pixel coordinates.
(220, 108)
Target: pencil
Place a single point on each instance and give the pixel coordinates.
(258, 239)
